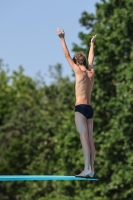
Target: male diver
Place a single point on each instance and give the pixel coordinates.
(83, 109)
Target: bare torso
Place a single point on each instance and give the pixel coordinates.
(83, 87)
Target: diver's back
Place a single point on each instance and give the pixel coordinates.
(83, 87)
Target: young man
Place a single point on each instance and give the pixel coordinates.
(83, 109)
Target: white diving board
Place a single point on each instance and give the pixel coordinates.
(42, 178)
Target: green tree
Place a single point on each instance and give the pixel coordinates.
(112, 96)
(29, 133)
(37, 130)
(21, 120)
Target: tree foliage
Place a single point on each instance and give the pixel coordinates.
(37, 130)
(112, 95)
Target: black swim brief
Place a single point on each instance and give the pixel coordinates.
(85, 110)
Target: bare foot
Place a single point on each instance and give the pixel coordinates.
(86, 173)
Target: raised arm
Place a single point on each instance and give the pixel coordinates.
(61, 35)
(91, 52)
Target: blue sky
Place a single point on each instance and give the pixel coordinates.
(28, 32)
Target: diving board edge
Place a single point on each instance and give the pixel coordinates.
(42, 178)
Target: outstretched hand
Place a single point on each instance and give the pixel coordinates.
(93, 38)
(60, 33)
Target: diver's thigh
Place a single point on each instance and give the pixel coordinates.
(81, 122)
(90, 129)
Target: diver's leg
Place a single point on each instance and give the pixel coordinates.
(91, 142)
(82, 127)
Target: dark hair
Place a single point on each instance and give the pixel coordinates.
(80, 58)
